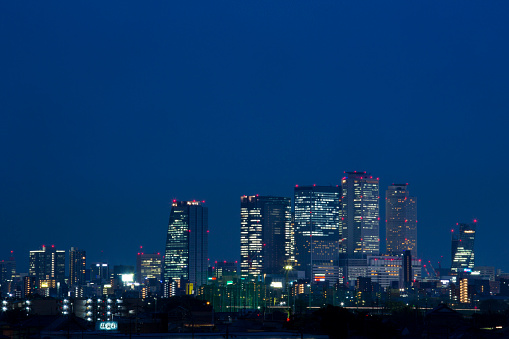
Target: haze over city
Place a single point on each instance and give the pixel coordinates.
(110, 111)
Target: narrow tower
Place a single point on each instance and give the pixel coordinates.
(186, 258)
(401, 220)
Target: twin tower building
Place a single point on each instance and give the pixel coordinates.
(327, 233)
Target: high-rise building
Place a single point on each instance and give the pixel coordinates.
(77, 266)
(317, 231)
(47, 264)
(7, 272)
(401, 220)
(148, 266)
(462, 249)
(186, 257)
(266, 236)
(99, 272)
(408, 277)
(224, 269)
(360, 215)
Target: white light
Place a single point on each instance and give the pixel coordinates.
(127, 277)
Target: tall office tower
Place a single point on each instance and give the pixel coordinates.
(77, 266)
(317, 231)
(186, 256)
(99, 272)
(7, 271)
(265, 234)
(463, 247)
(401, 220)
(148, 266)
(360, 215)
(47, 264)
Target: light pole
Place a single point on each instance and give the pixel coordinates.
(288, 268)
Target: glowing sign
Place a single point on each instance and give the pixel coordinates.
(276, 284)
(127, 278)
(107, 326)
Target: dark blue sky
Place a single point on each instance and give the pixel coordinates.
(109, 110)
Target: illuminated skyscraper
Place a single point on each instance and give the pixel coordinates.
(186, 256)
(266, 237)
(148, 266)
(360, 215)
(463, 247)
(47, 264)
(317, 231)
(401, 220)
(77, 266)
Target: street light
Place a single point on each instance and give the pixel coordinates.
(288, 268)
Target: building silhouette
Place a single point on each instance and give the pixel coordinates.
(186, 257)
(99, 272)
(7, 273)
(266, 236)
(317, 231)
(401, 220)
(77, 266)
(462, 248)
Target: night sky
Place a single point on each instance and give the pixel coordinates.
(109, 110)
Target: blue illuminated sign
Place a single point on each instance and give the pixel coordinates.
(106, 326)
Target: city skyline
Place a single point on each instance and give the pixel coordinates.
(110, 111)
(315, 205)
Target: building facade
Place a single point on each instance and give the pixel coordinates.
(186, 257)
(77, 266)
(47, 264)
(99, 272)
(401, 220)
(316, 213)
(462, 247)
(385, 270)
(360, 216)
(148, 266)
(266, 236)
